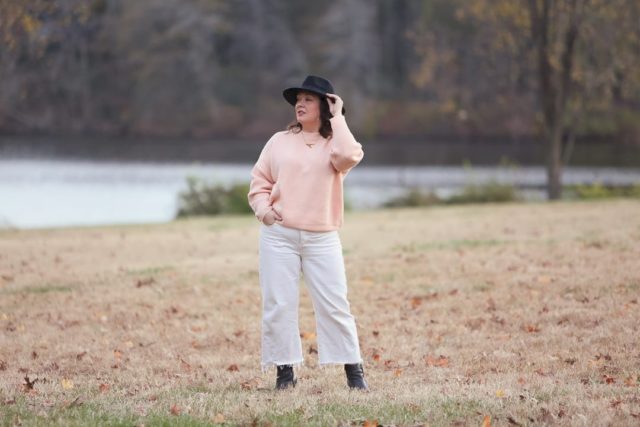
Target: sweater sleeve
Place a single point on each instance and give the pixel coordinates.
(261, 183)
(346, 152)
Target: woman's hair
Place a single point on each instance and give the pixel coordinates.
(325, 124)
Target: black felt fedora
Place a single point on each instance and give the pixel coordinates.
(314, 84)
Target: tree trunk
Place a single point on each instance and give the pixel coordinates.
(554, 162)
(555, 85)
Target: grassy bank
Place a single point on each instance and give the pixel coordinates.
(514, 313)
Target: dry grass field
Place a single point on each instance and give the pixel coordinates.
(513, 314)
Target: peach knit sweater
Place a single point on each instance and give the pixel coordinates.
(303, 184)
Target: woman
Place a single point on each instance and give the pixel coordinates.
(296, 192)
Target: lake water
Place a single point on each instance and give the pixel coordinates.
(57, 193)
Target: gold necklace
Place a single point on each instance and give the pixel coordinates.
(310, 145)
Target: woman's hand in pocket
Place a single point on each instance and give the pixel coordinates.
(271, 217)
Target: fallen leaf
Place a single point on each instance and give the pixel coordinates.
(609, 380)
(440, 362)
(398, 372)
(29, 384)
(500, 393)
(376, 357)
(74, 402)
(67, 384)
(186, 366)
(145, 282)
(307, 336)
(233, 368)
(486, 422)
(601, 356)
(175, 409)
(104, 388)
(197, 345)
(532, 328)
(415, 302)
(631, 381)
(389, 363)
(250, 384)
(513, 421)
(370, 423)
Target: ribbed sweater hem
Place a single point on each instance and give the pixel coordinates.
(311, 227)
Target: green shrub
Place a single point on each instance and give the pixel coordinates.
(634, 191)
(201, 198)
(593, 191)
(597, 190)
(414, 197)
(490, 192)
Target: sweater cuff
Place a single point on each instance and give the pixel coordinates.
(338, 121)
(262, 210)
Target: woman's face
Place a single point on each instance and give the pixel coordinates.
(307, 108)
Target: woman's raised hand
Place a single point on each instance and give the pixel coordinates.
(335, 107)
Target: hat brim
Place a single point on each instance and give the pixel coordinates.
(290, 94)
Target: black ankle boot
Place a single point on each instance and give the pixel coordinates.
(286, 377)
(355, 376)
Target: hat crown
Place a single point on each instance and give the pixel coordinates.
(314, 84)
(318, 84)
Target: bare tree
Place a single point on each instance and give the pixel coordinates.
(555, 23)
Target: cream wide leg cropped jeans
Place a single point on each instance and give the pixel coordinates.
(284, 253)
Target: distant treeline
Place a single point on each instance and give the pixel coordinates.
(406, 68)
